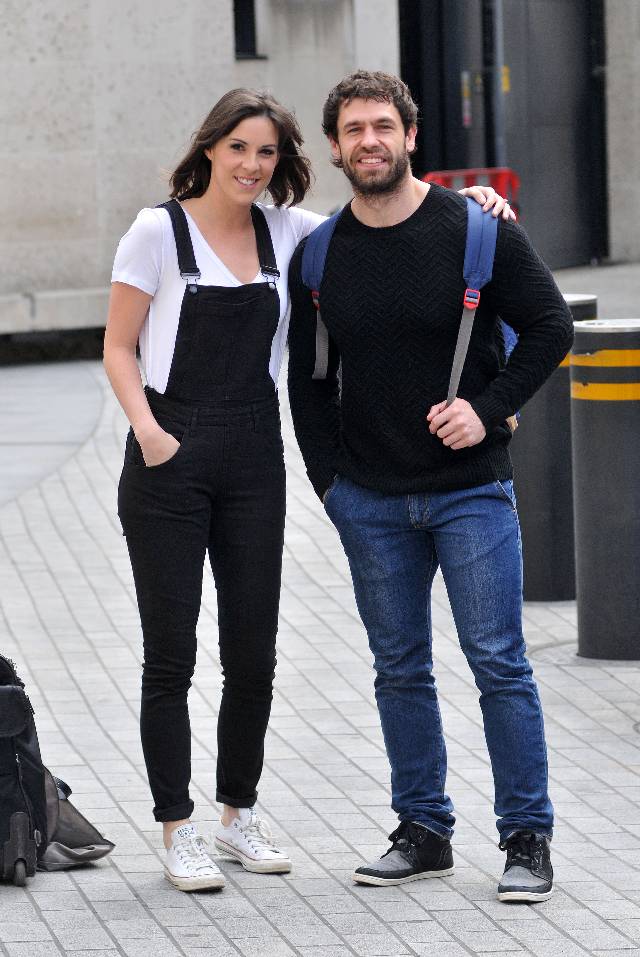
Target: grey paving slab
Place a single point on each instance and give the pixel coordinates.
(36, 949)
(615, 286)
(154, 948)
(266, 946)
(38, 434)
(68, 616)
(419, 931)
(440, 949)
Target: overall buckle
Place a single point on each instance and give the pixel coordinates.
(270, 273)
(191, 278)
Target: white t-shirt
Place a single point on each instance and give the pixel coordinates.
(146, 258)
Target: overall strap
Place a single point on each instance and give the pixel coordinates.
(266, 255)
(314, 257)
(186, 258)
(482, 231)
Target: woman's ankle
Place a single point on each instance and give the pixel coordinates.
(168, 827)
(229, 814)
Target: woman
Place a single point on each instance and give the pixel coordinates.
(201, 283)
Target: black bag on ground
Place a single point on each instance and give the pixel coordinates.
(39, 826)
(72, 839)
(23, 809)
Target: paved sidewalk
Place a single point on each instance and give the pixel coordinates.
(615, 286)
(68, 617)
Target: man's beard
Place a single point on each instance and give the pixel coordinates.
(379, 185)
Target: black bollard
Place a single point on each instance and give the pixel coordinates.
(605, 428)
(541, 453)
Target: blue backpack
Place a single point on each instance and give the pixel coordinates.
(482, 231)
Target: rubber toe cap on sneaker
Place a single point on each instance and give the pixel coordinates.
(369, 874)
(525, 895)
(519, 884)
(209, 883)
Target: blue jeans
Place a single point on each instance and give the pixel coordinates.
(394, 544)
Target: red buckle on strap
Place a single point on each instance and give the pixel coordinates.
(315, 295)
(471, 298)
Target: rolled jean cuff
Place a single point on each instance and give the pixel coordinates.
(246, 801)
(179, 812)
(507, 832)
(440, 829)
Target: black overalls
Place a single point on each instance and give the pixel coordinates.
(223, 491)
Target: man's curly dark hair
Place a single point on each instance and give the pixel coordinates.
(367, 85)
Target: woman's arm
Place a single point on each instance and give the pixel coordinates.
(489, 199)
(128, 307)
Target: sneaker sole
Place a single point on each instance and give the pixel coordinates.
(195, 883)
(256, 867)
(382, 881)
(524, 897)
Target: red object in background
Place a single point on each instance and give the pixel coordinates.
(503, 179)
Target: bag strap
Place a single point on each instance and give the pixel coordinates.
(315, 252)
(314, 257)
(266, 254)
(482, 231)
(8, 673)
(510, 338)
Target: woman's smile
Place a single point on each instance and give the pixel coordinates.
(246, 181)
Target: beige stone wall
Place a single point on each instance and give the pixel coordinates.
(623, 128)
(311, 45)
(98, 97)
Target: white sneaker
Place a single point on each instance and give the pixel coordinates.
(249, 840)
(188, 865)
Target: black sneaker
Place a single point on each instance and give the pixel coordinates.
(415, 852)
(528, 875)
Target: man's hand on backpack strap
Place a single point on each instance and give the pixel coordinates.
(458, 425)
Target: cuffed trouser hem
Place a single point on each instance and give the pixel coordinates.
(246, 801)
(506, 832)
(440, 829)
(176, 813)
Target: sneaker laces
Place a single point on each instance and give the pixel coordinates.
(193, 852)
(258, 833)
(405, 835)
(523, 850)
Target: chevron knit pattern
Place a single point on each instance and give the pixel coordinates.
(391, 300)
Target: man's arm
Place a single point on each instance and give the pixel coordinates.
(315, 403)
(524, 294)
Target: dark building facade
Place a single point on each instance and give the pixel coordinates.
(544, 117)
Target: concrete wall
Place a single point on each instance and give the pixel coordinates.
(99, 97)
(623, 128)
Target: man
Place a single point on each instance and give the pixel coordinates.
(412, 485)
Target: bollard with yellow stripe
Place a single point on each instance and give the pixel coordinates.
(541, 453)
(605, 430)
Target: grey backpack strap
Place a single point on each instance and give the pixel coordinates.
(322, 350)
(322, 342)
(482, 230)
(462, 346)
(312, 270)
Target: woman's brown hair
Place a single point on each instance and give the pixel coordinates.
(292, 175)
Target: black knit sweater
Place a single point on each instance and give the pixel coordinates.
(391, 299)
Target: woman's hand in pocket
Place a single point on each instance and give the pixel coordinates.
(158, 447)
